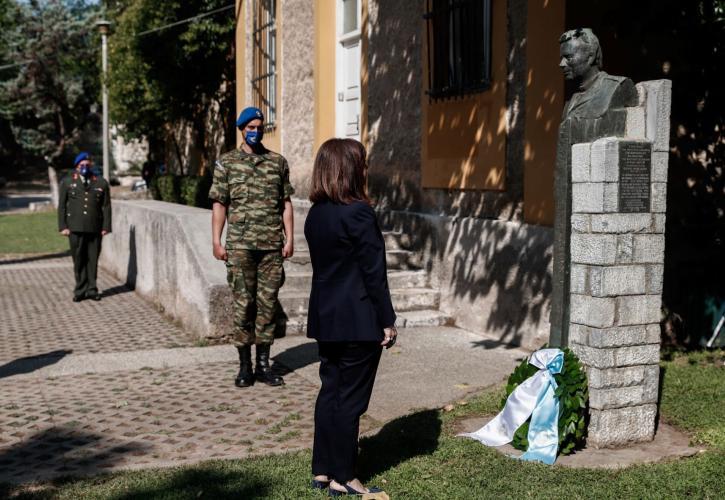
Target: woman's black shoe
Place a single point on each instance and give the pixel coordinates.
(352, 491)
(320, 485)
(244, 377)
(76, 298)
(262, 371)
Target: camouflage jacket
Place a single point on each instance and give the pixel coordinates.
(84, 208)
(253, 187)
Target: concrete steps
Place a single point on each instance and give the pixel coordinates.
(302, 280)
(394, 240)
(416, 303)
(296, 325)
(294, 302)
(397, 259)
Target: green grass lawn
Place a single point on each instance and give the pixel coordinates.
(31, 233)
(417, 456)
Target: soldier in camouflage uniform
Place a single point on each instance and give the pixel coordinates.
(84, 216)
(251, 191)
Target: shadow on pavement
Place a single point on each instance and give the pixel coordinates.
(116, 290)
(34, 258)
(493, 344)
(295, 358)
(31, 363)
(62, 451)
(399, 440)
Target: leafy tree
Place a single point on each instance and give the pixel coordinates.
(9, 148)
(47, 99)
(161, 78)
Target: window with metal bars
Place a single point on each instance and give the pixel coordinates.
(264, 60)
(459, 47)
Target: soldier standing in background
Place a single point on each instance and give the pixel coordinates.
(251, 190)
(84, 216)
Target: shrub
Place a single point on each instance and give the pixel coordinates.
(154, 188)
(168, 186)
(195, 190)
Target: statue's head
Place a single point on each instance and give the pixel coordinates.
(580, 53)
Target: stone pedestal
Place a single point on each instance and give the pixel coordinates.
(617, 254)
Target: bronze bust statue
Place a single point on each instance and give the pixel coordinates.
(599, 92)
(595, 110)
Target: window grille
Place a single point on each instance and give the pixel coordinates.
(264, 60)
(459, 47)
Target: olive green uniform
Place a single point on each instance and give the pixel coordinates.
(253, 187)
(84, 207)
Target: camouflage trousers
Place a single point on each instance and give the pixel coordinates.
(255, 277)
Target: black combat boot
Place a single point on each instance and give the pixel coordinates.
(263, 372)
(245, 378)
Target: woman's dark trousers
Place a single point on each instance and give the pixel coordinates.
(347, 372)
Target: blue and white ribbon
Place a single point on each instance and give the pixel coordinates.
(535, 398)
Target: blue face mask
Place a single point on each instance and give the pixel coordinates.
(86, 171)
(253, 137)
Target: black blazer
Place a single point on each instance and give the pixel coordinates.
(350, 298)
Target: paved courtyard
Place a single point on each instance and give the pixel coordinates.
(98, 386)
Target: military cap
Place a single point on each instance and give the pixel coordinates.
(249, 114)
(81, 156)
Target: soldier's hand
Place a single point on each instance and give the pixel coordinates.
(65, 232)
(220, 253)
(104, 232)
(288, 250)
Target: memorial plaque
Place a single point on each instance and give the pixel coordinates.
(635, 159)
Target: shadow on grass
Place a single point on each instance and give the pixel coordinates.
(200, 483)
(398, 441)
(187, 483)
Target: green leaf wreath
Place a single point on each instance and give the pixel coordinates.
(573, 394)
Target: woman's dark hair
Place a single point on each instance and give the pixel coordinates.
(339, 172)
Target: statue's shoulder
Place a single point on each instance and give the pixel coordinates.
(622, 90)
(613, 79)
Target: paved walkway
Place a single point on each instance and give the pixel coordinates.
(107, 385)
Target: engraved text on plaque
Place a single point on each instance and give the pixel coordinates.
(634, 176)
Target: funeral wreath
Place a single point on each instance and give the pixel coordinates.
(573, 394)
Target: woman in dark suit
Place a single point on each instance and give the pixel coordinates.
(350, 312)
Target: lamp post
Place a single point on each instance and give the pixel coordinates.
(104, 27)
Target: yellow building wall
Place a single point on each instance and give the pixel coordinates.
(464, 139)
(240, 60)
(272, 138)
(324, 70)
(364, 72)
(544, 104)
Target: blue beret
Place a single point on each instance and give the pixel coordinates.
(81, 156)
(249, 114)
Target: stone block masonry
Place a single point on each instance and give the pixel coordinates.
(619, 187)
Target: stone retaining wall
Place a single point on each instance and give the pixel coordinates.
(163, 250)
